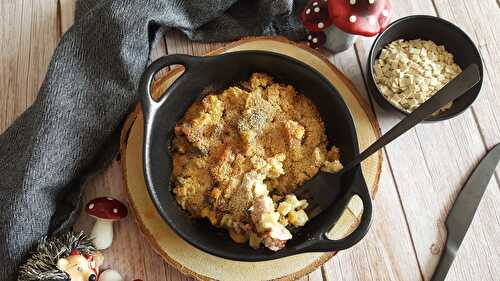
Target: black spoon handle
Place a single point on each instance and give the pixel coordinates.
(451, 91)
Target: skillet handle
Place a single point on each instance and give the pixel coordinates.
(327, 245)
(149, 105)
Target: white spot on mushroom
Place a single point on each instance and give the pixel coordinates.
(109, 198)
(308, 11)
(315, 3)
(91, 206)
(385, 13)
(316, 9)
(315, 40)
(352, 2)
(353, 18)
(321, 25)
(309, 37)
(372, 20)
(115, 210)
(371, 1)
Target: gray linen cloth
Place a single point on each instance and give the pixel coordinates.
(71, 131)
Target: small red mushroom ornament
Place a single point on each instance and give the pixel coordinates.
(105, 210)
(315, 16)
(335, 24)
(361, 17)
(316, 20)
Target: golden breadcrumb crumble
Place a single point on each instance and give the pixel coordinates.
(239, 155)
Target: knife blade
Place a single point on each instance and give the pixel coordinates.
(464, 208)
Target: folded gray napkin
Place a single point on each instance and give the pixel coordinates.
(71, 130)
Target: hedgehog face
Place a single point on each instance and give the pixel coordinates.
(78, 268)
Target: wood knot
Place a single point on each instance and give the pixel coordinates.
(435, 249)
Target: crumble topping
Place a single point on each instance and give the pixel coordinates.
(239, 155)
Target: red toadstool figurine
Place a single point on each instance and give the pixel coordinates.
(340, 21)
(316, 19)
(105, 210)
(362, 17)
(315, 16)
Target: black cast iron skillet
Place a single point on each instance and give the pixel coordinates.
(218, 73)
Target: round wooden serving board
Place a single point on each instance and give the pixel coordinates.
(201, 265)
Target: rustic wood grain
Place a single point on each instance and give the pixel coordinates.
(67, 14)
(481, 20)
(363, 262)
(430, 164)
(130, 255)
(316, 275)
(382, 255)
(177, 43)
(29, 34)
(158, 50)
(424, 172)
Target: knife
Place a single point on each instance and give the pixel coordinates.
(463, 210)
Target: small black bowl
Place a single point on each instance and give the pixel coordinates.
(441, 32)
(218, 73)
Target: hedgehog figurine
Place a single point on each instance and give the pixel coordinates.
(71, 257)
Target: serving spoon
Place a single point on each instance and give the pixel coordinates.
(316, 190)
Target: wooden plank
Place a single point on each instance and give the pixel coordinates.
(173, 274)
(177, 43)
(481, 21)
(430, 164)
(159, 49)
(67, 14)
(390, 248)
(386, 253)
(316, 275)
(130, 254)
(29, 36)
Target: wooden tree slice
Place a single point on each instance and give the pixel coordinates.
(201, 265)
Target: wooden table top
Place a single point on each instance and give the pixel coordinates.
(422, 171)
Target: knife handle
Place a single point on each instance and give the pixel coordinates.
(445, 262)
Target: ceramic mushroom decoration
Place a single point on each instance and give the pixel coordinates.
(336, 24)
(105, 210)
